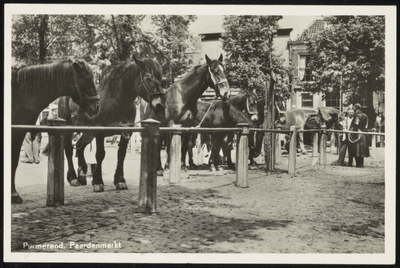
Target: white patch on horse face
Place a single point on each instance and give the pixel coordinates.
(221, 69)
(254, 118)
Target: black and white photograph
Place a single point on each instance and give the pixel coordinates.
(199, 134)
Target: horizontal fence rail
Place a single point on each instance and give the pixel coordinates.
(150, 132)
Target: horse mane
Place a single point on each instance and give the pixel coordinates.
(195, 70)
(238, 116)
(122, 76)
(40, 80)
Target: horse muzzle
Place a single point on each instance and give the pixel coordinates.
(157, 103)
(254, 118)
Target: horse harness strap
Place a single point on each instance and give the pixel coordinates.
(215, 80)
(199, 125)
(145, 87)
(248, 108)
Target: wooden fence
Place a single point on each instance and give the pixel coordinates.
(150, 132)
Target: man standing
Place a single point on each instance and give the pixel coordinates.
(345, 125)
(358, 146)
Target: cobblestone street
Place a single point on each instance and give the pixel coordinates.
(319, 210)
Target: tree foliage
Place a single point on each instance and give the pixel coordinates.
(248, 42)
(103, 40)
(349, 55)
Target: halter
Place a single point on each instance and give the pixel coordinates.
(78, 89)
(143, 85)
(215, 80)
(248, 108)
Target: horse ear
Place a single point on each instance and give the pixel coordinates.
(138, 62)
(220, 58)
(208, 59)
(77, 66)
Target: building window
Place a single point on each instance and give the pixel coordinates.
(307, 100)
(304, 68)
(332, 99)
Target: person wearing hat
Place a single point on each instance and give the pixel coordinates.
(344, 124)
(358, 146)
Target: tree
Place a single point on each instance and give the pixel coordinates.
(248, 42)
(349, 56)
(174, 42)
(252, 64)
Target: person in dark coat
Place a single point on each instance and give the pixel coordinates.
(358, 146)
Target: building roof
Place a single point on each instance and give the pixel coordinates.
(315, 27)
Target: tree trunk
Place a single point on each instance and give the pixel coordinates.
(268, 124)
(43, 24)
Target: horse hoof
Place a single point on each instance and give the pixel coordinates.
(82, 180)
(16, 199)
(213, 169)
(184, 169)
(304, 153)
(232, 167)
(219, 168)
(97, 188)
(74, 182)
(160, 172)
(121, 186)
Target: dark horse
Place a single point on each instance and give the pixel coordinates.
(246, 102)
(220, 115)
(118, 92)
(181, 98)
(34, 87)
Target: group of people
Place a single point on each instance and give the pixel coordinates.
(355, 143)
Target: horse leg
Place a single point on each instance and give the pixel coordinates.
(301, 142)
(213, 155)
(219, 140)
(184, 150)
(71, 174)
(82, 166)
(227, 149)
(192, 142)
(119, 180)
(17, 139)
(100, 154)
(160, 170)
(167, 149)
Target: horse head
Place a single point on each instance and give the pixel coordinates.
(85, 90)
(327, 117)
(217, 74)
(252, 105)
(150, 88)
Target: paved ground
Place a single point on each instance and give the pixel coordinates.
(319, 210)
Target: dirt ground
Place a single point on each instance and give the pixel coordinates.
(321, 209)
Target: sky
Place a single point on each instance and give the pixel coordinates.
(209, 24)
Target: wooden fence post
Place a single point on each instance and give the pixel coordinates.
(277, 148)
(315, 145)
(333, 145)
(382, 143)
(175, 156)
(200, 153)
(148, 166)
(292, 150)
(373, 141)
(242, 156)
(55, 173)
(322, 147)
